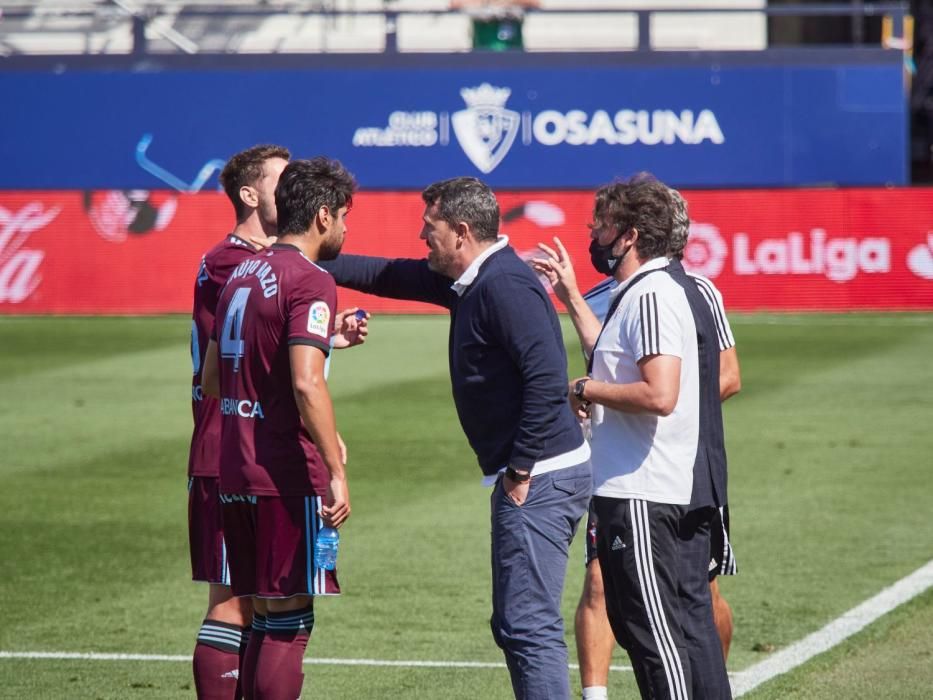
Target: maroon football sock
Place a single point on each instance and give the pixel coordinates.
(278, 670)
(217, 661)
(251, 656)
(244, 643)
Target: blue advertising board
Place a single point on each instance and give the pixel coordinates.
(519, 127)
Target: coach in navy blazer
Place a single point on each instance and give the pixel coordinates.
(508, 368)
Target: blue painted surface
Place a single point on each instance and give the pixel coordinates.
(785, 125)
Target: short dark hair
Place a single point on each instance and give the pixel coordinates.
(465, 199)
(641, 202)
(307, 185)
(245, 168)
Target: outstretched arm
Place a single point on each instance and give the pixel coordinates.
(397, 278)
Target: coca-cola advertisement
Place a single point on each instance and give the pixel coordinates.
(138, 251)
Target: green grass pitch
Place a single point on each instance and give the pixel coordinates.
(830, 446)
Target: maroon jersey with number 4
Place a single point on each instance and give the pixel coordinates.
(216, 266)
(273, 300)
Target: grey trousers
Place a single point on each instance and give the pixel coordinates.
(529, 562)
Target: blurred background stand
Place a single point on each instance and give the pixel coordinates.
(496, 24)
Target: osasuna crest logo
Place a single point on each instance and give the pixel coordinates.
(485, 129)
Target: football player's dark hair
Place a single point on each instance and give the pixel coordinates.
(307, 185)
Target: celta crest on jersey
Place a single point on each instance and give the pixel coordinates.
(486, 130)
(262, 270)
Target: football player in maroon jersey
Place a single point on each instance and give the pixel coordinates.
(282, 474)
(249, 179)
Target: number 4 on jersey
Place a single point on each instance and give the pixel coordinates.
(231, 339)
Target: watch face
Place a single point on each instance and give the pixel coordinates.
(578, 388)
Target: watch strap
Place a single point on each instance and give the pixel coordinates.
(516, 476)
(579, 388)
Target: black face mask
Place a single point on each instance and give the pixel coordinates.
(602, 258)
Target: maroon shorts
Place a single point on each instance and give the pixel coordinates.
(205, 531)
(271, 545)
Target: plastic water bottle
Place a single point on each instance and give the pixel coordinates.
(325, 548)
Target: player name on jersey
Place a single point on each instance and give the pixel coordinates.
(263, 272)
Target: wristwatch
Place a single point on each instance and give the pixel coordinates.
(578, 389)
(517, 477)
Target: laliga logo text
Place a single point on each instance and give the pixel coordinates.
(19, 266)
(840, 259)
(920, 259)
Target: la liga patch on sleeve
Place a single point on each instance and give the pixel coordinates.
(319, 319)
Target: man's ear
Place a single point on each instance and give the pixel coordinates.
(462, 230)
(249, 196)
(323, 218)
(629, 236)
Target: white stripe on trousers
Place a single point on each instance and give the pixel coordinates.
(726, 549)
(651, 597)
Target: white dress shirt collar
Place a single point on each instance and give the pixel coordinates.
(469, 275)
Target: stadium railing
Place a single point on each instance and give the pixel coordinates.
(126, 27)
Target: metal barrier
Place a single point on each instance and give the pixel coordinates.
(152, 18)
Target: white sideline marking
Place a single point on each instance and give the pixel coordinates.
(835, 632)
(96, 656)
(89, 656)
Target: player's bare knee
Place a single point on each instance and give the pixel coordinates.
(224, 607)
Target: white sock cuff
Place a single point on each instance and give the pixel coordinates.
(595, 692)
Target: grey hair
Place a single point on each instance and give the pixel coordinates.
(468, 200)
(680, 225)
